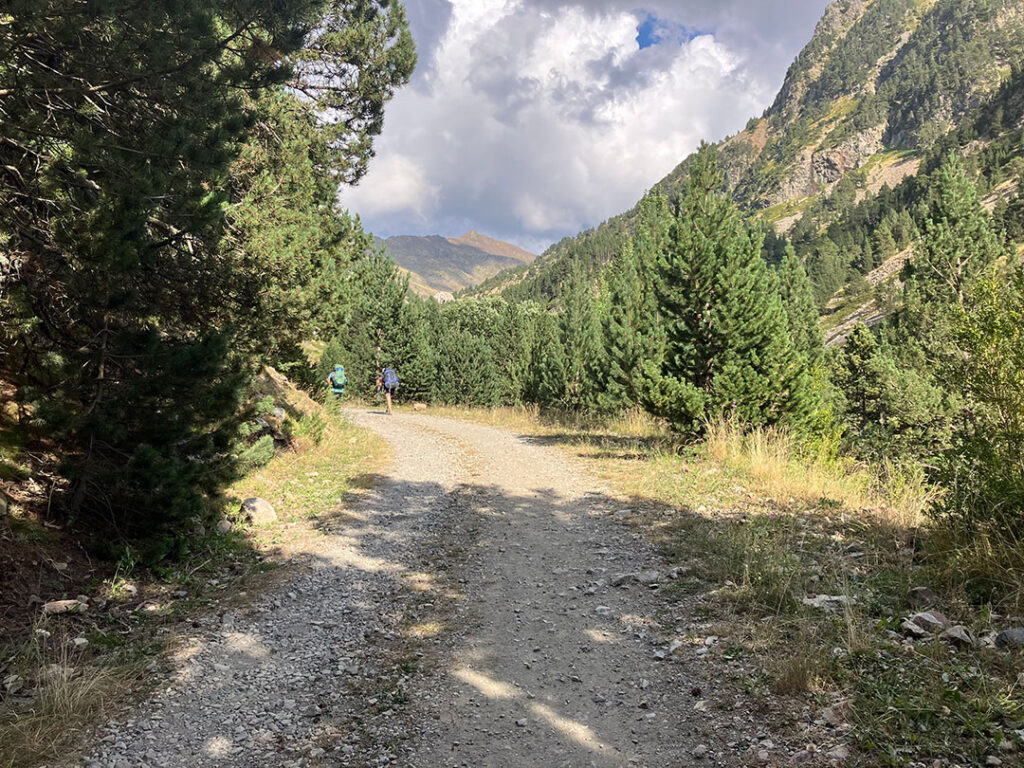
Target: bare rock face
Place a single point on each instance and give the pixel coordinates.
(258, 511)
(831, 164)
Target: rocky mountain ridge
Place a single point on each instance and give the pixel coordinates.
(443, 265)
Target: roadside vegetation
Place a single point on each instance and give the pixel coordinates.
(66, 672)
(758, 523)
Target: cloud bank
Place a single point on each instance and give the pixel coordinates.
(530, 120)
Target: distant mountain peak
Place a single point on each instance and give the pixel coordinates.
(445, 265)
(494, 247)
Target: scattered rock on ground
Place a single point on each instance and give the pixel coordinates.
(837, 714)
(829, 603)
(912, 629)
(258, 511)
(701, 750)
(223, 526)
(419, 406)
(958, 636)
(55, 607)
(838, 753)
(643, 577)
(1011, 638)
(933, 621)
(13, 683)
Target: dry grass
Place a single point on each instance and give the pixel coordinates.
(781, 470)
(314, 482)
(70, 694)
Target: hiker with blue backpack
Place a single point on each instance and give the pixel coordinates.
(387, 380)
(337, 380)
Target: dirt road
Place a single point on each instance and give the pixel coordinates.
(461, 612)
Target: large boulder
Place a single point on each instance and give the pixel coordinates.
(258, 511)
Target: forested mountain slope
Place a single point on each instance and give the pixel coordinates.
(881, 84)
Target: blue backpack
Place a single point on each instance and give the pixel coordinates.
(390, 378)
(338, 379)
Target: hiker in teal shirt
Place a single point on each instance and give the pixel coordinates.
(337, 380)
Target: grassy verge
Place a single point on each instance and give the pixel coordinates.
(53, 688)
(760, 525)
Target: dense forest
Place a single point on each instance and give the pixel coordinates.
(168, 222)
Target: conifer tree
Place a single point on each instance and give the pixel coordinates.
(801, 310)
(885, 245)
(513, 344)
(466, 374)
(728, 351)
(632, 334)
(960, 239)
(892, 410)
(581, 340)
(121, 330)
(416, 356)
(547, 366)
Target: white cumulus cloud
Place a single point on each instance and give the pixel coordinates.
(532, 119)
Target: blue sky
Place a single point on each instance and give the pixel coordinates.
(655, 31)
(530, 120)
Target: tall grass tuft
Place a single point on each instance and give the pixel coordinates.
(69, 695)
(788, 469)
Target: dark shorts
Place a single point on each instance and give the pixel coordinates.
(390, 390)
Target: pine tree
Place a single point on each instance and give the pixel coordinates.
(548, 378)
(632, 334)
(801, 310)
(885, 245)
(466, 374)
(581, 340)
(892, 409)
(417, 358)
(126, 331)
(728, 351)
(960, 240)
